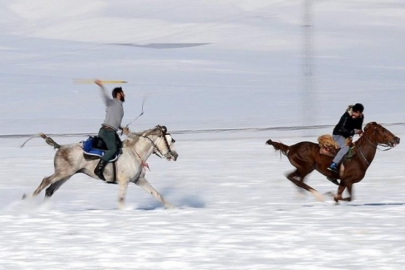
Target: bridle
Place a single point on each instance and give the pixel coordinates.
(156, 149)
(389, 147)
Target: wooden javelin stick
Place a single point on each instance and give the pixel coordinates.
(87, 81)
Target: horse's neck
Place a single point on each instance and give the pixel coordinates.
(368, 148)
(144, 147)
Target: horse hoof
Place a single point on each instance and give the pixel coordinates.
(169, 206)
(24, 196)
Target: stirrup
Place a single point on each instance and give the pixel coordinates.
(333, 169)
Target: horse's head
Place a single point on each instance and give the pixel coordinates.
(380, 135)
(165, 146)
(158, 138)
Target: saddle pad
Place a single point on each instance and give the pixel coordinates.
(89, 150)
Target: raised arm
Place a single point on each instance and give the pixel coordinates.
(103, 91)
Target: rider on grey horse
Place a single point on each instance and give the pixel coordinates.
(110, 126)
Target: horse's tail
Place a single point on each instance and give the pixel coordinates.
(279, 146)
(47, 139)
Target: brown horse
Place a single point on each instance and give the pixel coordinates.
(305, 157)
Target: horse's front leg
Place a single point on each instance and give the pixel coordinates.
(143, 183)
(338, 196)
(349, 190)
(122, 191)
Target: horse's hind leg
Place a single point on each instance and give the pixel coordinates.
(143, 183)
(298, 176)
(54, 187)
(294, 175)
(49, 180)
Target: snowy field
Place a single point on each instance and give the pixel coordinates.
(200, 65)
(235, 211)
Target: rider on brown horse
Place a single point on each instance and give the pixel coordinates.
(349, 124)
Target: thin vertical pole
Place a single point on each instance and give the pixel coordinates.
(308, 93)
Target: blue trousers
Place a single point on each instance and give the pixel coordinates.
(341, 141)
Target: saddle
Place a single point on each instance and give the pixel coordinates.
(95, 146)
(328, 146)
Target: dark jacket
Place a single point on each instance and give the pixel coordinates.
(347, 124)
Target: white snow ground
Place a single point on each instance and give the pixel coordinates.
(235, 210)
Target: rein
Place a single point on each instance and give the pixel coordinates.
(156, 148)
(374, 145)
(378, 144)
(144, 163)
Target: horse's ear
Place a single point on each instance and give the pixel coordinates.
(162, 128)
(370, 124)
(365, 128)
(374, 124)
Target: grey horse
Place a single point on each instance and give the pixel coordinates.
(130, 167)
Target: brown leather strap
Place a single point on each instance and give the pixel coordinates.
(108, 128)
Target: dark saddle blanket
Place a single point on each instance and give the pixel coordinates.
(95, 146)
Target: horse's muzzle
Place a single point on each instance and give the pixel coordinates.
(394, 142)
(397, 140)
(172, 156)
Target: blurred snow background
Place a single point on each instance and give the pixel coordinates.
(201, 65)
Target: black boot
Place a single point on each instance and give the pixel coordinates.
(100, 168)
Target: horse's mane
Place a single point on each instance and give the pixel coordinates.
(134, 137)
(367, 130)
